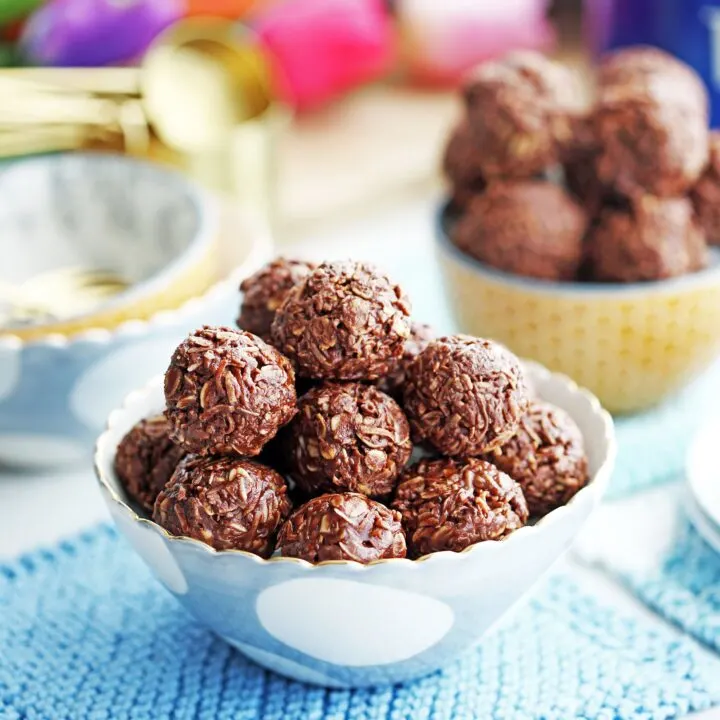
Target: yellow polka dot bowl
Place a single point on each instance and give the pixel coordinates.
(632, 345)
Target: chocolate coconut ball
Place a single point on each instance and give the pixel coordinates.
(462, 165)
(348, 437)
(145, 459)
(531, 228)
(579, 166)
(342, 526)
(546, 457)
(264, 292)
(449, 504)
(227, 392)
(643, 63)
(706, 194)
(227, 503)
(464, 395)
(517, 110)
(345, 321)
(651, 123)
(652, 239)
(394, 381)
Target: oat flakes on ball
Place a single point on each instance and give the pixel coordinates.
(464, 395)
(345, 321)
(227, 392)
(228, 503)
(342, 526)
(264, 292)
(449, 504)
(348, 437)
(145, 459)
(546, 457)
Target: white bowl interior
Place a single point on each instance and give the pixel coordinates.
(100, 212)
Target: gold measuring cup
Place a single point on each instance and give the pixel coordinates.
(207, 90)
(201, 100)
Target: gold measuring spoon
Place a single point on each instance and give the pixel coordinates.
(207, 91)
(50, 109)
(198, 81)
(204, 88)
(41, 139)
(91, 81)
(57, 294)
(201, 80)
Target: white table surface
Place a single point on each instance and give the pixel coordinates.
(38, 510)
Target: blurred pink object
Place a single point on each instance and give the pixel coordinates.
(325, 47)
(442, 40)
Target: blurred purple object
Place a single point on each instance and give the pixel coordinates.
(598, 16)
(611, 24)
(689, 29)
(86, 33)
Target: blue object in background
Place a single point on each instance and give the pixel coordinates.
(689, 29)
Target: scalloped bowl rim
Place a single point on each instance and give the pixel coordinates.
(210, 223)
(573, 289)
(596, 486)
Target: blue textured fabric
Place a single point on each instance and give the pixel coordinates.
(686, 587)
(645, 457)
(87, 634)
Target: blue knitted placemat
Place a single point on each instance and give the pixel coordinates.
(86, 633)
(685, 587)
(652, 445)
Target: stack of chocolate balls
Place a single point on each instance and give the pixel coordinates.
(240, 461)
(500, 160)
(622, 191)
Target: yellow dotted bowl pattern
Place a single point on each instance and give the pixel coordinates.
(630, 345)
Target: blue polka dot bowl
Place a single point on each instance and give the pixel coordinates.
(59, 380)
(343, 624)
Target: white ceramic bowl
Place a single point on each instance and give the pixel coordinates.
(57, 389)
(342, 624)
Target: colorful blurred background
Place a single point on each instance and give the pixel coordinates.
(316, 129)
(403, 57)
(385, 68)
